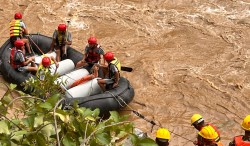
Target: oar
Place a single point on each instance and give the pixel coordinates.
(35, 44)
(128, 69)
(66, 46)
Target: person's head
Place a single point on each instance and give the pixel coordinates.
(92, 41)
(18, 15)
(62, 28)
(162, 137)
(46, 61)
(209, 135)
(19, 44)
(109, 56)
(197, 121)
(246, 124)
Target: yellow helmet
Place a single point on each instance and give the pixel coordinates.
(196, 118)
(246, 123)
(163, 133)
(208, 132)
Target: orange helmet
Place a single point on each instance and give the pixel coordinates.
(18, 15)
(92, 40)
(46, 61)
(62, 27)
(109, 56)
(19, 43)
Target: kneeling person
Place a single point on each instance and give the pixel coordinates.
(44, 66)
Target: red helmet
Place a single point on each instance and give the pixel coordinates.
(19, 43)
(109, 56)
(62, 27)
(46, 61)
(18, 15)
(92, 40)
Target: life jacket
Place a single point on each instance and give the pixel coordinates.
(93, 56)
(13, 61)
(15, 28)
(117, 64)
(41, 72)
(60, 39)
(239, 142)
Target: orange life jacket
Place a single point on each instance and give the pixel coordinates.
(239, 142)
(15, 28)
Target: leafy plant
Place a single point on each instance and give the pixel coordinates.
(41, 121)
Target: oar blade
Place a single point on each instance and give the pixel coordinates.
(128, 69)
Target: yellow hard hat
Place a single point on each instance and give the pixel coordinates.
(163, 133)
(196, 118)
(246, 123)
(208, 132)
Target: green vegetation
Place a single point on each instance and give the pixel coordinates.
(38, 119)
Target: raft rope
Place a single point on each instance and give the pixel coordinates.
(141, 116)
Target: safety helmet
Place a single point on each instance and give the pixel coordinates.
(109, 56)
(18, 15)
(19, 43)
(62, 27)
(208, 132)
(246, 123)
(92, 40)
(46, 61)
(163, 133)
(196, 119)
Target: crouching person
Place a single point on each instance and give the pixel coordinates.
(18, 60)
(114, 68)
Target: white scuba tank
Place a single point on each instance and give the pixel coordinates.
(65, 66)
(83, 90)
(71, 77)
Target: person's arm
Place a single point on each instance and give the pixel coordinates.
(24, 28)
(56, 63)
(117, 78)
(52, 45)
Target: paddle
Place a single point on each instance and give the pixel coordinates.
(128, 69)
(66, 46)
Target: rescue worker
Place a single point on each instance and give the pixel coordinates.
(44, 67)
(114, 68)
(18, 60)
(162, 137)
(17, 31)
(93, 54)
(198, 122)
(243, 140)
(60, 39)
(209, 137)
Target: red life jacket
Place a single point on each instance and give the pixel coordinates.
(239, 142)
(93, 56)
(15, 64)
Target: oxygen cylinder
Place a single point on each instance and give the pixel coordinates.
(87, 89)
(71, 77)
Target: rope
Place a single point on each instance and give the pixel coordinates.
(35, 44)
(143, 117)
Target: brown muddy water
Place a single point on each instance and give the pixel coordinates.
(188, 56)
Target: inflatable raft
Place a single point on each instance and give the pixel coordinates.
(88, 94)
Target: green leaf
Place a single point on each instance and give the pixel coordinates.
(146, 142)
(68, 141)
(114, 116)
(19, 135)
(40, 140)
(64, 117)
(46, 105)
(53, 99)
(103, 138)
(48, 130)
(4, 127)
(13, 86)
(38, 120)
